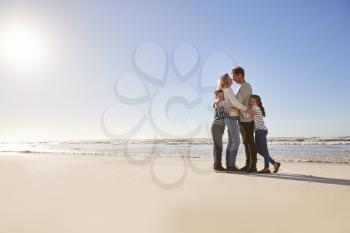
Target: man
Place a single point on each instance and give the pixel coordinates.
(246, 124)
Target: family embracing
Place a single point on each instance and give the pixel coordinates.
(242, 113)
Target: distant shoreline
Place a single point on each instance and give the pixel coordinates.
(341, 140)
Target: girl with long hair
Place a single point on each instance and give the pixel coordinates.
(261, 134)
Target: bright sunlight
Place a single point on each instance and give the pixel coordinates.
(22, 46)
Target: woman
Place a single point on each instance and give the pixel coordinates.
(231, 121)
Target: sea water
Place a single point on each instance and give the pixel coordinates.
(297, 149)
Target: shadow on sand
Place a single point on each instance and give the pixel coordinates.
(300, 177)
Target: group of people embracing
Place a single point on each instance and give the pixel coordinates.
(242, 113)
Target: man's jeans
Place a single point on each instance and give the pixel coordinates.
(217, 131)
(233, 140)
(247, 133)
(261, 146)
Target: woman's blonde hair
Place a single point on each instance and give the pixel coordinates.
(223, 82)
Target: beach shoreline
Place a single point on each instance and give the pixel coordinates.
(53, 193)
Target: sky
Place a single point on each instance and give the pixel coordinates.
(147, 69)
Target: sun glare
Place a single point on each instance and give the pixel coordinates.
(22, 46)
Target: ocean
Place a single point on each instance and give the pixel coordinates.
(288, 149)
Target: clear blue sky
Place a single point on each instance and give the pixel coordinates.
(296, 55)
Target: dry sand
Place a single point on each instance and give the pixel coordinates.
(62, 194)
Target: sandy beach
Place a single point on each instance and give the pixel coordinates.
(59, 194)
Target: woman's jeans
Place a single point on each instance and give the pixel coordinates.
(261, 146)
(233, 140)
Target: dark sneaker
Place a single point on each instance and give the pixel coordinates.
(251, 170)
(219, 168)
(243, 169)
(265, 171)
(232, 169)
(277, 167)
